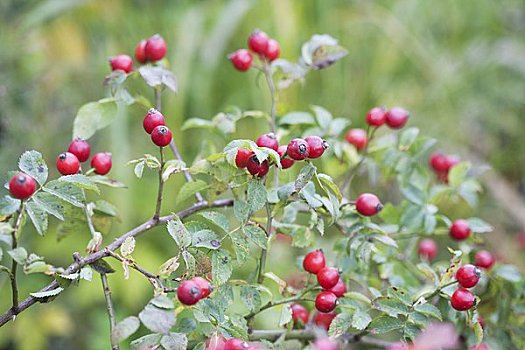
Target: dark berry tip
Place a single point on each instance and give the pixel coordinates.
(379, 207)
(62, 156)
(326, 145)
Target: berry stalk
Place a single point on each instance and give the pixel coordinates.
(14, 265)
(110, 309)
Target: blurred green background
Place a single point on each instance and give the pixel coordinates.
(458, 66)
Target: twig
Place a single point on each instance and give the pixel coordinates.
(262, 260)
(14, 265)
(111, 311)
(113, 246)
(161, 185)
(350, 176)
(267, 70)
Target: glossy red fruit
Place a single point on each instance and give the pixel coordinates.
(81, 149)
(376, 116)
(298, 149)
(326, 344)
(468, 275)
(161, 136)
(396, 118)
(317, 146)
(314, 261)
(285, 162)
(368, 204)
(339, 289)
(325, 301)
(204, 285)
(462, 299)
(428, 249)
(242, 157)
(155, 48)
(152, 119)
(67, 163)
(451, 160)
(268, 140)
(273, 50)
(258, 42)
(215, 342)
(257, 169)
(459, 230)
(324, 319)
(358, 138)
(328, 277)
(122, 62)
(22, 186)
(189, 292)
(140, 51)
(241, 59)
(484, 259)
(236, 344)
(438, 162)
(299, 314)
(102, 163)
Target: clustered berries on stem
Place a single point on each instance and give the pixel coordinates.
(266, 48)
(191, 291)
(154, 123)
(68, 163)
(148, 50)
(394, 118)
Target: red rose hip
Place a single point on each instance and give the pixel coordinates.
(357, 137)
(327, 277)
(155, 48)
(317, 146)
(140, 51)
(339, 289)
(268, 140)
(241, 60)
(22, 186)
(204, 285)
(258, 42)
(152, 119)
(102, 163)
(468, 276)
(67, 163)
(326, 343)
(368, 204)
(428, 249)
(314, 261)
(325, 301)
(324, 319)
(299, 314)
(257, 169)
(81, 149)
(285, 162)
(189, 292)
(272, 50)
(242, 157)
(236, 344)
(376, 116)
(122, 62)
(298, 149)
(451, 160)
(484, 259)
(462, 299)
(438, 162)
(459, 230)
(161, 136)
(396, 118)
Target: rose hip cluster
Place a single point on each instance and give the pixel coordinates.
(191, 291)
(147, 50)
(220, 343)
(442, 163)
(467, 276)
(154, 124)
(298, 149)
(68, 163)
(259, 43)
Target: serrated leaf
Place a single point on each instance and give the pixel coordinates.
(509, 273)
(94, 116)
(139, 169)
(155, 76)
(65, 191)
(305, 175)
(171, 167)
(340, 325)
(157, 320)
(322, 116)
(8, 205)
(49, 203)
(428, 310)
(360, 320)
(217, 219)
(458, 174)
(102, 267)
(127, 248)
(221, 266)
(86, 273)
(5, 229)
(168, 267)
(256, 195)
(359, 297)
(32, 163)
(106, 181)
(478, 331)
(162, 302)
(197, 123)
(178, 232)
(390, 306)
(174, 341)
(241, 210)
(38, 217)
(241, 246)
(407, 137)
(400, 294)
(478, 225)
(19, 255)
(256, 235)
(106, 208)
(384, 324)
(190, 188)
(147, 342)
(80, 181)
(286, 315)
(251, 297)
(125, 328)
(329, 186)
(387, 240)
(297, 118)
(47, 294)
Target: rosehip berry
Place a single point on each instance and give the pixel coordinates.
(22, 186)
(468, 276)
(357, 137)
(368, 204)
(285, 162)
(298, 149)
(257, 169)
(428, 249)
(326, 344)
(328, 277)
(483, 259)
(325, 301)
(241, 60)
(80, 148)
(299, 314)
(204, 285)
(189, 292)
(396, 117)
(376, 116)
(317, 146)
(462, 299)
(152, 119)
(339, 289)
(242, 157)
(268, 141)
(314, 261)
(161, 136)
(438, 162)
(324, 319)
(459, 230)
(102, 163)
(236, 344)
(67, 163)
(122, 62)
(140, 51)
(481, 346)
(258, 42)
(272, 50)
(451, 160)
(155, 48)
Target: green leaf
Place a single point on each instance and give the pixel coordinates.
(19, 255)
(256, 195)
(102, 267)
(221, 266)
(428, 310)
(38, 217)
(329, 186)
(217, 219)
(509, 273)
(458, 174)
(94, 116)
(139, 169)
(171, 167)
(178, 232)
(478, 331)
(127, 248)
(400, 294)
(155, 76)
(251, 297)
(197, 123)
(47, 294)
(189, 261)
(390, 306)
(477, 225)
(32, 163)
(241, 246)
(125, 328)
(163, 302)
(340, 324)
(360, 320)
(256, 235)
(66, 192)
(174, 341)
(322, 116)
(8, 205)
(385, 324)
(359, 297)
(189, 189)
(86, 273)
(286, 315)
(205, 239)
(305, 175)
(407, 138)
(413, 194)
(157, 320)
(105, 208)
(147, 342)
(241, 210)
(106, 181)
(80, 181)
(296, 118)
(5, 229)
(49, 203)
(170, 266)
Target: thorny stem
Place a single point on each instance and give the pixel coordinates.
(111, 311)
(350, 176)
(14, 265)
(161, 185)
